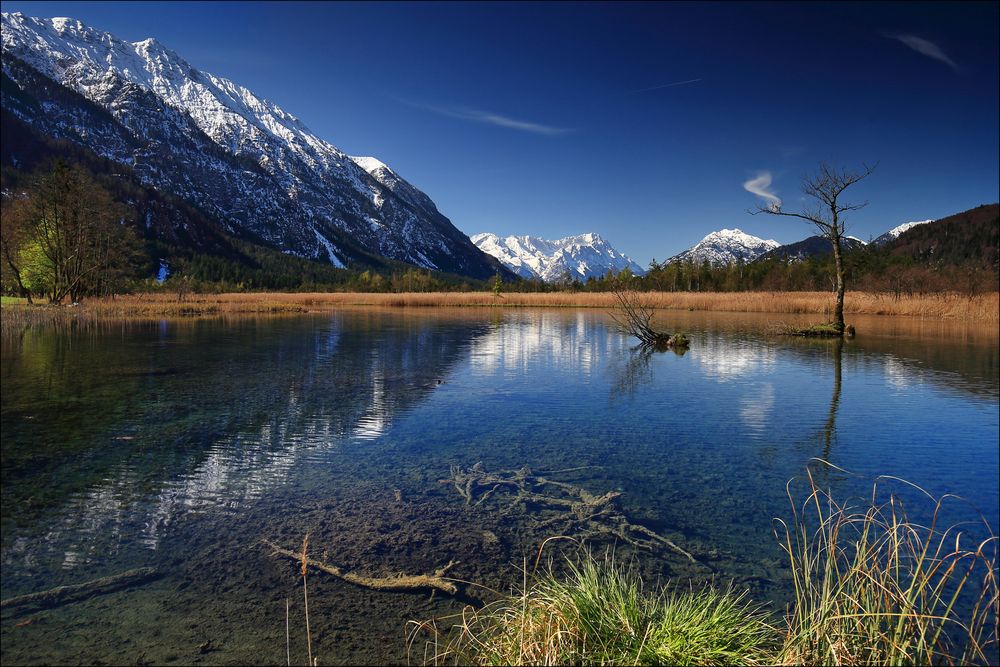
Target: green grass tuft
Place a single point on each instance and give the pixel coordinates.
(600, 614)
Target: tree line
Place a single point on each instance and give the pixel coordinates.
(866, 269)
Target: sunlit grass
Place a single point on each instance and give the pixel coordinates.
(600, 614)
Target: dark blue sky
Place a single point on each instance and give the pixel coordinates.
(639, 121)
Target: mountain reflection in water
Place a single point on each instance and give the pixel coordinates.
(251, 402)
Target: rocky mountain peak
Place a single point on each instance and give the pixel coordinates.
(726, 246)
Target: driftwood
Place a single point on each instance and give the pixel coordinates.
(634, 316)
(577, 511)
(406, 582)
(60, 595)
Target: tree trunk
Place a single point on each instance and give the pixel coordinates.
(838, 312)
(17, 278)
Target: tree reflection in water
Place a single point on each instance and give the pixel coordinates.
(830, 427)
(636, 372)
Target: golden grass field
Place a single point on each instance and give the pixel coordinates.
(949, 306)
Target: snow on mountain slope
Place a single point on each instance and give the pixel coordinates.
(255, 167)
(384, 174)
(894, 233)
(726, 246)
(580, 257)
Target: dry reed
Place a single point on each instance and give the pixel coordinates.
(954, 306)
(874, 587)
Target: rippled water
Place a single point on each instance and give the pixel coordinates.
(180, 445)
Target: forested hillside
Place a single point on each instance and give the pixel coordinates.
(197, 254)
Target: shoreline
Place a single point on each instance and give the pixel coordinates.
(944, 306)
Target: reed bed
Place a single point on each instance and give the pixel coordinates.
(954, 306)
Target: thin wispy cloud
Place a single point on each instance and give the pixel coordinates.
(760, 185)
(490, 118)
(927, 48)
(665, 85)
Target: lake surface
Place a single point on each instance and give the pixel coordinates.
(181, 445)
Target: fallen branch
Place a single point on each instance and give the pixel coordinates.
(60, 595)
(436, 581)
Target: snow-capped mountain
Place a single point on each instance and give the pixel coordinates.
(256, 169)
(725, 247)
(894, 233)
(580, 257)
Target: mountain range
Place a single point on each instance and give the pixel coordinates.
(575, 257)
(589, 255)
(250, 166)
(728, 246)
(970, 239)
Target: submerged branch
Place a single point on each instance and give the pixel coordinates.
(60, 595)
(575, 511)
(406, 582)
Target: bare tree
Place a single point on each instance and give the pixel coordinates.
(826, 187)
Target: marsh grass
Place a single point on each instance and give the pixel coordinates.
(872, 587)
(599, 613)
(822, 330)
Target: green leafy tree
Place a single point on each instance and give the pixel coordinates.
(36, 268)
(71, 237)
(13, 242)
